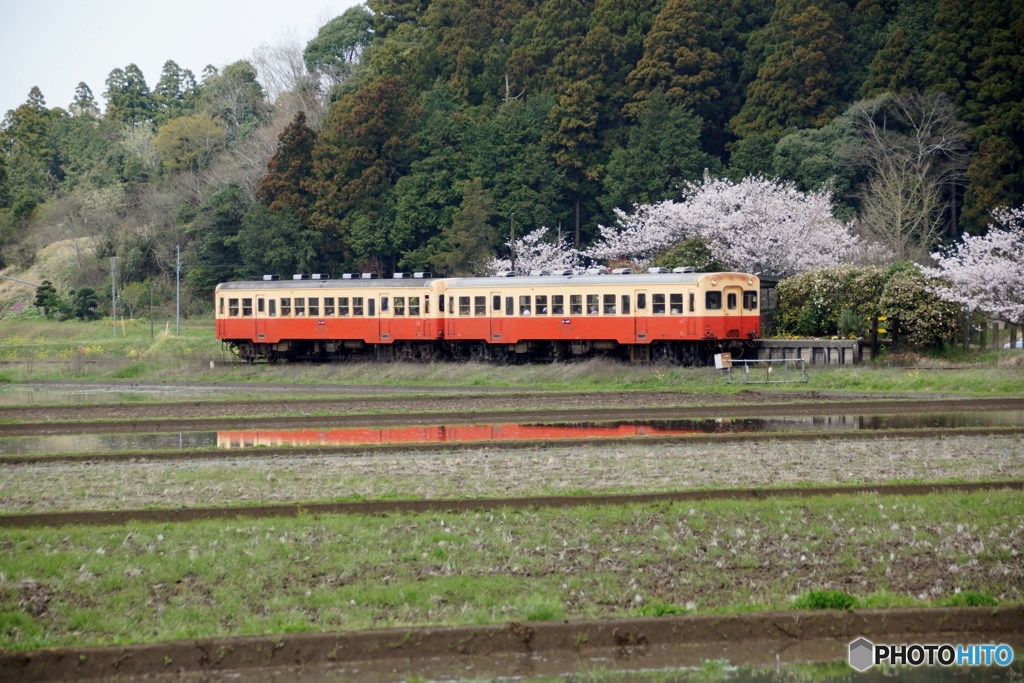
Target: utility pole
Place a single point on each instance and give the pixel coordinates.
(512, 241)
(577, 223)
(152, 334)
(177, 293)
(113, 291)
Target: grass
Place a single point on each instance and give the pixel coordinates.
(73, 349)
(154, 582)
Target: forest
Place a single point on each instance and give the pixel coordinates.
(418, 135)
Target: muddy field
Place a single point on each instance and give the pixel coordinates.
(153, 582)
(488, 472)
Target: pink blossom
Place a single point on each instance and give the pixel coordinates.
(756, 225)
(986, 273)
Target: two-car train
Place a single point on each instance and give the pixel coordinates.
(677, 316)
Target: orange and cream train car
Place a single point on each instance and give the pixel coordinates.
(672, 316)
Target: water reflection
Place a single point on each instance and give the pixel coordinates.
(98, 443)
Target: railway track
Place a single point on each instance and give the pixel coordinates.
(389, 506)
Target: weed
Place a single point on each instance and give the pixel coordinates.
(659, 609)
(825, 600)
(970, 599)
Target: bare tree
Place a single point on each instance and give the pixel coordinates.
(914, 149)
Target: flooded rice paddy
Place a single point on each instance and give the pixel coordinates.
(426, 434)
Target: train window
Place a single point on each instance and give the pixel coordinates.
(342, 305)
(272, 307)
(414, 305)
(259, 305)
(370, 307)
(713, 300)
(314, 306)
(496, 303)
(384, 304)
(222, 305)
(593, 304)
(576, 304)
(286, 307)
(524, 305)
(233, 307)
(440, 304)
(658, 304)
(357, 305)
(542, 304)
(641, 301)
(557, 305)
(463, 305)
(426, 304)
(750, 299)
(300, 306)
(625, 304)
(329, 306)
(480, 305)
(692, 304)
(675, 304)
(246, 307)
(730, 301)
(451, 305)
(609, 304)
(399, 305)
(510, 305)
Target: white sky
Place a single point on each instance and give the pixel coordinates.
(57, 43)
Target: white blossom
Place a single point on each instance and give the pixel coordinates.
(533, 252)
(756, 225)
(986, 272)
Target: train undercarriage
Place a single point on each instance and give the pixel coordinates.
(673, 352)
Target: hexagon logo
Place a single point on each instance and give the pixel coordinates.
(862, 654)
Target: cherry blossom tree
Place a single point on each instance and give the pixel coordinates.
(756, 225)
(986, 272)
(533, 252)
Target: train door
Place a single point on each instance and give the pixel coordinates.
(640, 312)
(260, 315)
(496, 319)
(732, 300)
(385, 318)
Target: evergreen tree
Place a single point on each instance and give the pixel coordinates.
(128, 97)
(33, 167)
(798, 84)
(85, 303)
(468, 243)
(677, 60)
(215, 234)
(663, 152)
(289, 171)
(84, 103)
(976, 53)
(277, 242)
(360, 153)
(175, 93)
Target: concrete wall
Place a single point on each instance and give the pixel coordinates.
(813, 351)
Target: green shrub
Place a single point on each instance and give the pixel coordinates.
(813, 303)
(925, 320)
(825, 600)
(970, 599)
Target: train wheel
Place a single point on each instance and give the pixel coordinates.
(272, 356)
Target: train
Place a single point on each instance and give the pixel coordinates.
(679, 316)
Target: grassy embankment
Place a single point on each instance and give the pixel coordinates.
(152, 582)
(75, 350)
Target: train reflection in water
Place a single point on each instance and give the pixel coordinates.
(442, 434)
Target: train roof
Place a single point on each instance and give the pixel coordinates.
(420, 283)
(476, 282)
